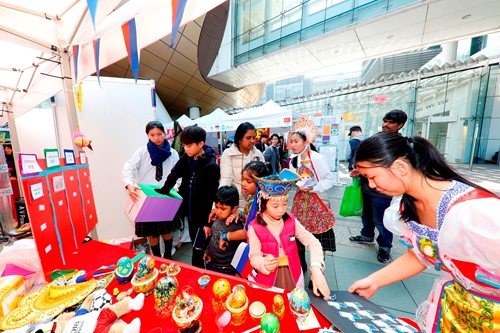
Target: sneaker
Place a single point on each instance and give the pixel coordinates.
(383, 256)
(361, 240)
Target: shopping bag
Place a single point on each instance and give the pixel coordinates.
(352, 201)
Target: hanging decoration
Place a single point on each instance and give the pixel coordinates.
(178, 7)
(97, 47)
(81, 140)
(77, 91)
(380, 99)
(347, 116)
(76, 52)
(130, 37)
(92, 7)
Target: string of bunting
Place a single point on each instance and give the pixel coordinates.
(130, 37)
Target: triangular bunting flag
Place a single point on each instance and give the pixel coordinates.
(76, 51)
(130, 37)
(153, 97)
(178, 7)
(92, 6)
(97, 47)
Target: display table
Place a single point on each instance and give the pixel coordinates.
(94, 254)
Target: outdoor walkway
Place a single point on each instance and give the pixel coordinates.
(354, 261)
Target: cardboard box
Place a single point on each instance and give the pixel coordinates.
(152, 206)
(11, 291)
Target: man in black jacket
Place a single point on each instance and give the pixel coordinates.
(375, 203)
(200, 180)
(262, 144)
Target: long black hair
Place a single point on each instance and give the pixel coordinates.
(303, 136)
(382, 149)
(241, 131)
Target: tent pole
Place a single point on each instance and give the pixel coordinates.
(14, 139)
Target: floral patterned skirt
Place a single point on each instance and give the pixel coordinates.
(312, 212)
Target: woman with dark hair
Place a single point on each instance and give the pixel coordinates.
(310, 209)
(237, 156)
(151, 165)
(9, 157)
(448, 223)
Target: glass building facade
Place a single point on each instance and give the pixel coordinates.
(447, 109)
(265, 26)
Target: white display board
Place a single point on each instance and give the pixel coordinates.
(114, 117)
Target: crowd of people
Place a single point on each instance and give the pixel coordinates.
(447, 222)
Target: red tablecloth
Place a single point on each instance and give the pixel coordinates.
(94, 254)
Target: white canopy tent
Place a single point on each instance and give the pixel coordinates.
(268, 115)
(212, 121)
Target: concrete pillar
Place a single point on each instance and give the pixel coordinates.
(194, 112)
(449, 53)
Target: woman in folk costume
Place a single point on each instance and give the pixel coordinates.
(447, 222)
(272, 238)
(310, 209)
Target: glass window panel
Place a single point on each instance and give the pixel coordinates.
(338, 22)
(314, 13)
(369, 10)
(339, 8)
(289, 4)
(257, 13)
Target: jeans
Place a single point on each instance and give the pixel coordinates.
(373, 217)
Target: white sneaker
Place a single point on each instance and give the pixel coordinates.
(173, 250)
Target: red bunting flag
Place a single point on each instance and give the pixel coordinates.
(76, 52)
(130, 37)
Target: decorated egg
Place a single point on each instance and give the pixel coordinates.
(165, 291)
(279, 306)
(124, 270)
(239, 286)
(269, 324)
(145, 267)
(299, 301)
(238, 299)
(221, 288)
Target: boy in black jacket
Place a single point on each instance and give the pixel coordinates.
(200, 179)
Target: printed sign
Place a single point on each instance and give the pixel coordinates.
(36, 191)
(29, 164)
(51, 158)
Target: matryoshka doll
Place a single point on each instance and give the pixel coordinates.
(279, 306)
(221, 290)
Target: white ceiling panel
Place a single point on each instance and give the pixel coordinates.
(390, 24)
(442, 8)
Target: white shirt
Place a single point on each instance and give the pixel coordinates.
(139, 169)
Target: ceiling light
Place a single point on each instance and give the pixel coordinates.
(465, 17)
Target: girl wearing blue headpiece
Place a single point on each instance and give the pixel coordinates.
(272, 237)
